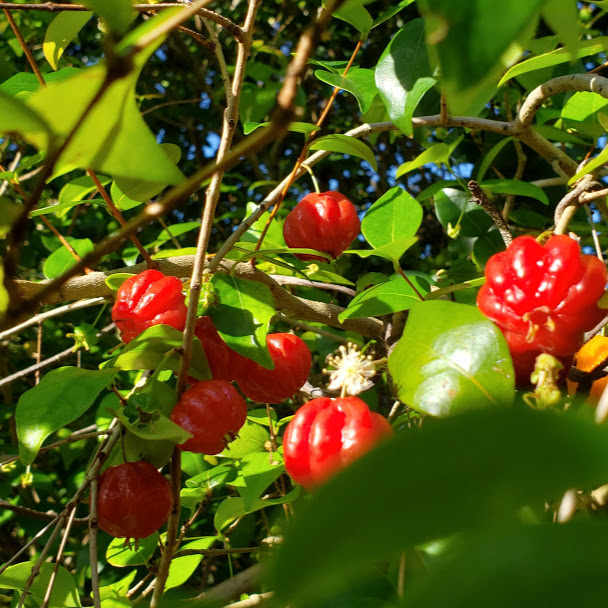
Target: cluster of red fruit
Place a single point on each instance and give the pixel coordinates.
(543, 298)
(325, 434)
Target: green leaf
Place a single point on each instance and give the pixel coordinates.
(404, 75)
(562, 17)
(118, 14)
(155, 345)
(345, 144)
(393, 296)
(114, 281)
(562, 55)
(16, 117)
(65, 591)
(243, 316)
(490, 155)
(515, 186)
(159, 428)
(60, 32)
(354, 13)
(437, 154)
(251, 438)
(117, 591)
(449, 359)
(583, 111)
(555, 134)
(456, 207)
(473, 42)
(489, 463)
(391, 251)
(182, 568)
(296, 127)
(524, 566)
(598, 161)
(257, 471)
(113, 138)
(61, 259)
(391, 12)
(360, 82)
(394, 216)
(62, 396)
(122, 555)
(59, 208)
(4, 297)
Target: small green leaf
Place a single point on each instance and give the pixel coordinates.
(354, 13)
(454, 207)
(118, 14)
(251, 438)
(243, 316)
(598, 161)
(392, 296)
(159, 428)
(391, 12)
(157, 345)
(437, 154)
(360, 82)
(449, 359)
(62, 396)
(114, 281)
(60, 32)
(345, 144)
(404, 75)
(391, 251)
(296, 127)
(562, 55)
(123, 555)
(394, 216)
(61, 259)
(257, 471)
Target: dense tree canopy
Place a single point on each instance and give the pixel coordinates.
(176, 138)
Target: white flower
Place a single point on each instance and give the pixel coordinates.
(353, 371)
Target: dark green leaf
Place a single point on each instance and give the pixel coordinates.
(121, 555)
(391, 12)
(449, 359)
(489, 463)
(515, 186)
(62, 396)
(243, 316)
(61, 259)
(403, 74)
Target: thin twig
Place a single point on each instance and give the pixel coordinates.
(24, 47)
(568, 206)
(480, 197)
(26, 512)
(93, 530)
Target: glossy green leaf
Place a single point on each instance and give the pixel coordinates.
(123, 555)
(60, 33)
(251, 438)
(118, 14)
(243, 316)
(182, 568)
(391, 251)
(61, 397)
(473, 42)
(489, 463)
(353, 12)
(211, 478)
(65, 591)
(394, 216)
(562, 55)
(583, 110)
(257, 471)
(345, 144)
(61, 259)
(515, 186)
(450, 359)
(393, 296)
(437, 154)
(157, 345)
(404, 75)
(360, 82)
(522, 566)
(598, 161)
